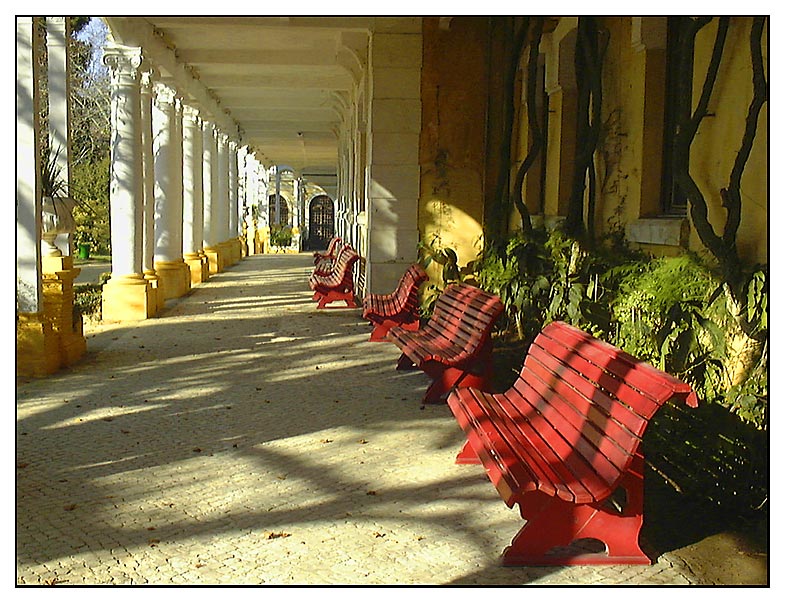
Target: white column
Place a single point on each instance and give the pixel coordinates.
(125, 189)
(393, 165)
(232, 225)
(221, 208)
(193, 211)
(126, 295)
(167, 150)
(210, 238)
(28, 195)
(58, 32)
(148, 178)
(251, 201)
(193, 216)
(232, 157)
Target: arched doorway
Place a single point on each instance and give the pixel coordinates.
(321, 221)
(283, 218)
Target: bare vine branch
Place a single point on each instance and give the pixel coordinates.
(685, 135)
(731, 196)
(537, 135)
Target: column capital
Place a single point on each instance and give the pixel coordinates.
(191, 115)
(221, 136)
(124, 60)
(148, 76)
(164, 93)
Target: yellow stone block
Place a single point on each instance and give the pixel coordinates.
(37, 346)
(195, 264)
(175, 278)
(215, 259)
(155, 293)
(126, 298)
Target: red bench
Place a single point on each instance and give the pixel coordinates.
(329, 254)
(338, 283)
(454, 347)
(399, 308)
(564, 444)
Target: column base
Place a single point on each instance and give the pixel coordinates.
(50, 264)
(238, 248)
(127, 298)
(215, 259)
(175, 277)
(229, 252)
(37, 346)
(156, 293)
(196, 265)
(58, 307)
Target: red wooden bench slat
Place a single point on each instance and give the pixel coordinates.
(329, 253)
(563, 438)
(454, 345)
(543, 441)
(401, 307)
(338, 284)
(550, 368)
(568, 442)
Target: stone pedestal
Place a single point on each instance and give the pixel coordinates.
(128, 298)
(58, 306)
(196, 265)
(175, 278)
(37, 346)
(215, 259)
(227, 252)
(157, 298)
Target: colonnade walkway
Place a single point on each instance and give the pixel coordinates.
(246, 438)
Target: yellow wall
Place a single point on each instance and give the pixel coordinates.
(629, 159)
(719, 138)
(454, 103)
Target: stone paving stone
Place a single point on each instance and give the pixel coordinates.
(243, 437)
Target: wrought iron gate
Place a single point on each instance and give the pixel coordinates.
(321, 220)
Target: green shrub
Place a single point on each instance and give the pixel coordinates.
(671, 312)
(281, 235)
(87, 299)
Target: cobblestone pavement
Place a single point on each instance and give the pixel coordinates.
(246, 438)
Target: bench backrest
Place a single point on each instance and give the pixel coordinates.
(592, 400)
(332, 246)
(406, 297)
(342, 267)
(464, 315)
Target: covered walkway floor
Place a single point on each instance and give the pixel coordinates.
(243, 437)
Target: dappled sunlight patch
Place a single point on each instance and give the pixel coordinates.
(106, 413)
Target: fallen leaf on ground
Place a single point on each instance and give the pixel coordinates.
(271, 535)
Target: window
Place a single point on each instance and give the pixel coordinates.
(678, 104)
(283, 217)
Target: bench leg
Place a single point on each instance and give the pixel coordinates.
(553, 524)
(380, 329)
(467, 456)
(405, 363)
(445, 379)
(334, 296)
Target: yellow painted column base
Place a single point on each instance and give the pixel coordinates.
(195, 264)
(73, 345)
(155, 293)
(215, 259)
(239, 248)
(228, 250)
(127, 298)
(175, 277)
(205, 266)
(37, 346)
(58, 307)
